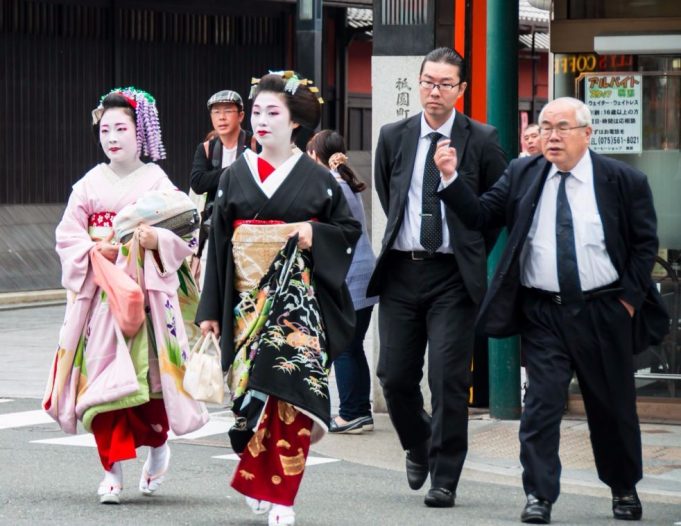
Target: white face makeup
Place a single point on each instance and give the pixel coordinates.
(271, 121)
(118, 137)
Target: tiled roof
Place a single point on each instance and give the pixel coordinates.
(526, 13)
(529, 14)
(360, 17)
(541, 41)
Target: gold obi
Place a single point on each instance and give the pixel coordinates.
(254, 247)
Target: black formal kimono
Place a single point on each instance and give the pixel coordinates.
(308, 193)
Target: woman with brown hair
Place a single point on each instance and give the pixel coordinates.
(352, 370)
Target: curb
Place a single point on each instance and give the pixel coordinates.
(32, 297)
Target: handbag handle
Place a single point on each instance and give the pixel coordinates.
(204, 342)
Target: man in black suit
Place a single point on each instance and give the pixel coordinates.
(575, 282)
(431, 275)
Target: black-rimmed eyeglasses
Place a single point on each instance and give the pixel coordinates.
(426, 84)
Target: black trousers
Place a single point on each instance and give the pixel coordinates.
(596, 344)
(425, 302)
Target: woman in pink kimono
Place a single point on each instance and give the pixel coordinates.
(126, 391)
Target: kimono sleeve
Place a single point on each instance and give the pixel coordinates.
(333, 244)
(73, 240)
(212, 303)
(333, 240)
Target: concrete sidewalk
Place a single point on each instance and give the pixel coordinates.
(31, 298)
(493, 456)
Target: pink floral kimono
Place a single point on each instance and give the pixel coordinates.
(86, 378)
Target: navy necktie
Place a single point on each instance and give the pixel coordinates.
(566, 254)
(431, 215)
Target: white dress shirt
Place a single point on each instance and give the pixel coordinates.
(409, 236)
(538, 258)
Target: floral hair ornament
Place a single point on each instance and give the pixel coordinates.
(292, 82)
(149, 141)
(336, 160)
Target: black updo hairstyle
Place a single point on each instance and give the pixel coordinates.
(303, 105)
(114, 100)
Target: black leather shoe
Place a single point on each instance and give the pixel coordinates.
(537, 511)
(417, 466)
(626, 505)
(439, 498)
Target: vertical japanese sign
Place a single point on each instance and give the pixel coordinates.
(402, 105)
(616, 111)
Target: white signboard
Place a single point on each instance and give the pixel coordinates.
(616, 111)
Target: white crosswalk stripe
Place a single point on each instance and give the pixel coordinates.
(311, 461)
(3, 400)
(212, 427)
(219, 423)
(23, 419)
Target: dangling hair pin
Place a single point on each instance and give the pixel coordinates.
(149, 140)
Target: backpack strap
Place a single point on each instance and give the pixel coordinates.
(213, 153)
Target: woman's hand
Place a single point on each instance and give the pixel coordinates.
(108, 248)
(207, 326)
(148, 237)
(304, 231)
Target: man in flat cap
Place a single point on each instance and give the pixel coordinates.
(226, 110)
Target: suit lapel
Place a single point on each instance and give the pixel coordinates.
(525, 210)
(459, 135)
(607, 202)
(528, 202)
(410, 141)
(459, 139)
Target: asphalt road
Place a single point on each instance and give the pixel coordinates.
(363, 483)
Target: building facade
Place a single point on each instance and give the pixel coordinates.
(59, 56)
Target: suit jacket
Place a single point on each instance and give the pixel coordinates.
(625, 204)
(481, 161)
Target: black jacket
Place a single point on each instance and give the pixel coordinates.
(206, 170)
(625, 204)
(481, 163)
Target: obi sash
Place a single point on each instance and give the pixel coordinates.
(255, 244)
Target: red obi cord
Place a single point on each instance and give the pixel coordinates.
(118, 433)
(265, 169)
(101, 219)
(239, 222)
(272, 465)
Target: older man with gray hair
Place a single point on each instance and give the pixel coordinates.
(575, 283)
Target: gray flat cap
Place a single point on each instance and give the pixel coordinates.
(226, 95)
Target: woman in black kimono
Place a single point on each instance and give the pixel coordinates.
(281, 364)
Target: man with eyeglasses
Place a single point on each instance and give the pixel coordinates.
(226, 110)
(575, 283)
(431, 275)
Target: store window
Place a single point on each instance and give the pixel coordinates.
(636, 108)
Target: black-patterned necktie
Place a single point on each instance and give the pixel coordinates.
(431, 215)
(566, 254)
